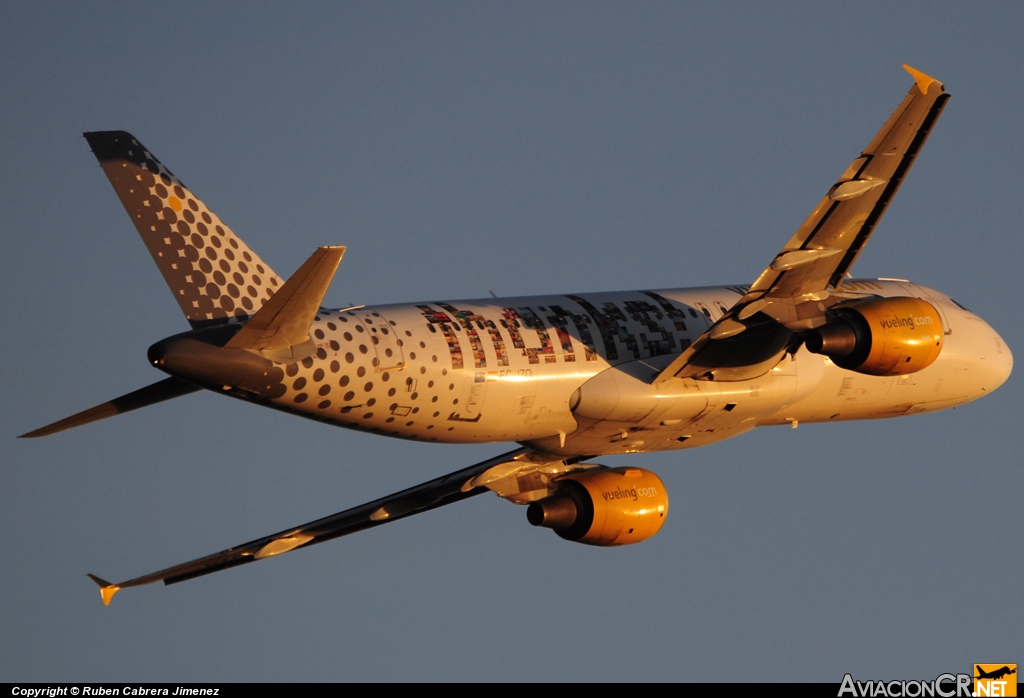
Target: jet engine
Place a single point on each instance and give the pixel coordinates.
(610, 506)
(883, 337)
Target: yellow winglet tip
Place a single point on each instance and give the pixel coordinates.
(923, 80)
(107, 590)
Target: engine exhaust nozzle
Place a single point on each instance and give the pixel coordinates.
(558, 512)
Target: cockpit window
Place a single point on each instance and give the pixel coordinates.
(961, 306)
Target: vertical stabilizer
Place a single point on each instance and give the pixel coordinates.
(213, 275)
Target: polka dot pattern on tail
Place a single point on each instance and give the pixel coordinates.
(188, 242)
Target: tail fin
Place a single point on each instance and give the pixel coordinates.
(213, 275)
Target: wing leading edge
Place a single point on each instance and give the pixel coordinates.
(787, 296)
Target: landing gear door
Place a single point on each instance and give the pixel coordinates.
(385, 342)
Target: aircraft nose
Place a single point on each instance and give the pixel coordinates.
(998, 362)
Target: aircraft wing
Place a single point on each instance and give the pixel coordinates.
(787, 296)
(446, 489)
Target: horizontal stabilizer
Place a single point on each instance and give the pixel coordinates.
(144, 397)
(280, 329)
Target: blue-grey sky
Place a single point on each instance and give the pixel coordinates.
(458, 148)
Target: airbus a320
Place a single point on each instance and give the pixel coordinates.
(567, 377)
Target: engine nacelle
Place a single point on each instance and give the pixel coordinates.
(884, 337)
(611, 506)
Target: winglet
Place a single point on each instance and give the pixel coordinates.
(923, 81)
(107, 590)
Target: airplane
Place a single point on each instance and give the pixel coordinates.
(995, 674)
(569, 378)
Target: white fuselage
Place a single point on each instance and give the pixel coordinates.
(510, 369)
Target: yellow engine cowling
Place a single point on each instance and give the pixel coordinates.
(883, 337)
(611, 506)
